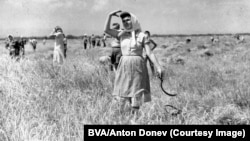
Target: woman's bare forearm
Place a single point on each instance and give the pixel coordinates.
(152, 57)
(154, 44)
(107, 28)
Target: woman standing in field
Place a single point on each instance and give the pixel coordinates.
(13, 46)
(33, 43)
(132, 81)
(58, 55)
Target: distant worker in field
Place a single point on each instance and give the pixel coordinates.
(98, 41)
(65, 42)
(116, 49)
(90, 42)
(58, 55)
(22, 43)
(44, 40)
(93, 41)
(104, 37)
(33, 43)
(13, 46)
(85, 41)
(152, 45)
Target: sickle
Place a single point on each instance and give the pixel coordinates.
(169, 94)
(161, 84)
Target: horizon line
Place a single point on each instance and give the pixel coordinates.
(153, 35)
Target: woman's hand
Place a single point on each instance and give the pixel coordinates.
(115, 13)
(160, 72)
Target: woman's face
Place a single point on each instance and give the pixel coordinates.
(127, 23)
(147, 35)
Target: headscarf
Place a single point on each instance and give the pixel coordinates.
(136, 27)
(58, 28)
(10, 36)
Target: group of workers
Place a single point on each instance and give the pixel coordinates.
(94, 41)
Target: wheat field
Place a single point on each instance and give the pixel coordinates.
(42, 102)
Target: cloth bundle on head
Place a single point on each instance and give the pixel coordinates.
(136, 27)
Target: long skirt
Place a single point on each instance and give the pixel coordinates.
(58, 56)
(132, 79)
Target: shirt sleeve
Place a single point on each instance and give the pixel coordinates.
(143, 39)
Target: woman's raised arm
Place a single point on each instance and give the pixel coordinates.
(107, 28)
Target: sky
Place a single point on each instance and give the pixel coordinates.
(78, 17)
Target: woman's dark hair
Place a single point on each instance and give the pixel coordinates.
(147, 32)
(124, 14)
